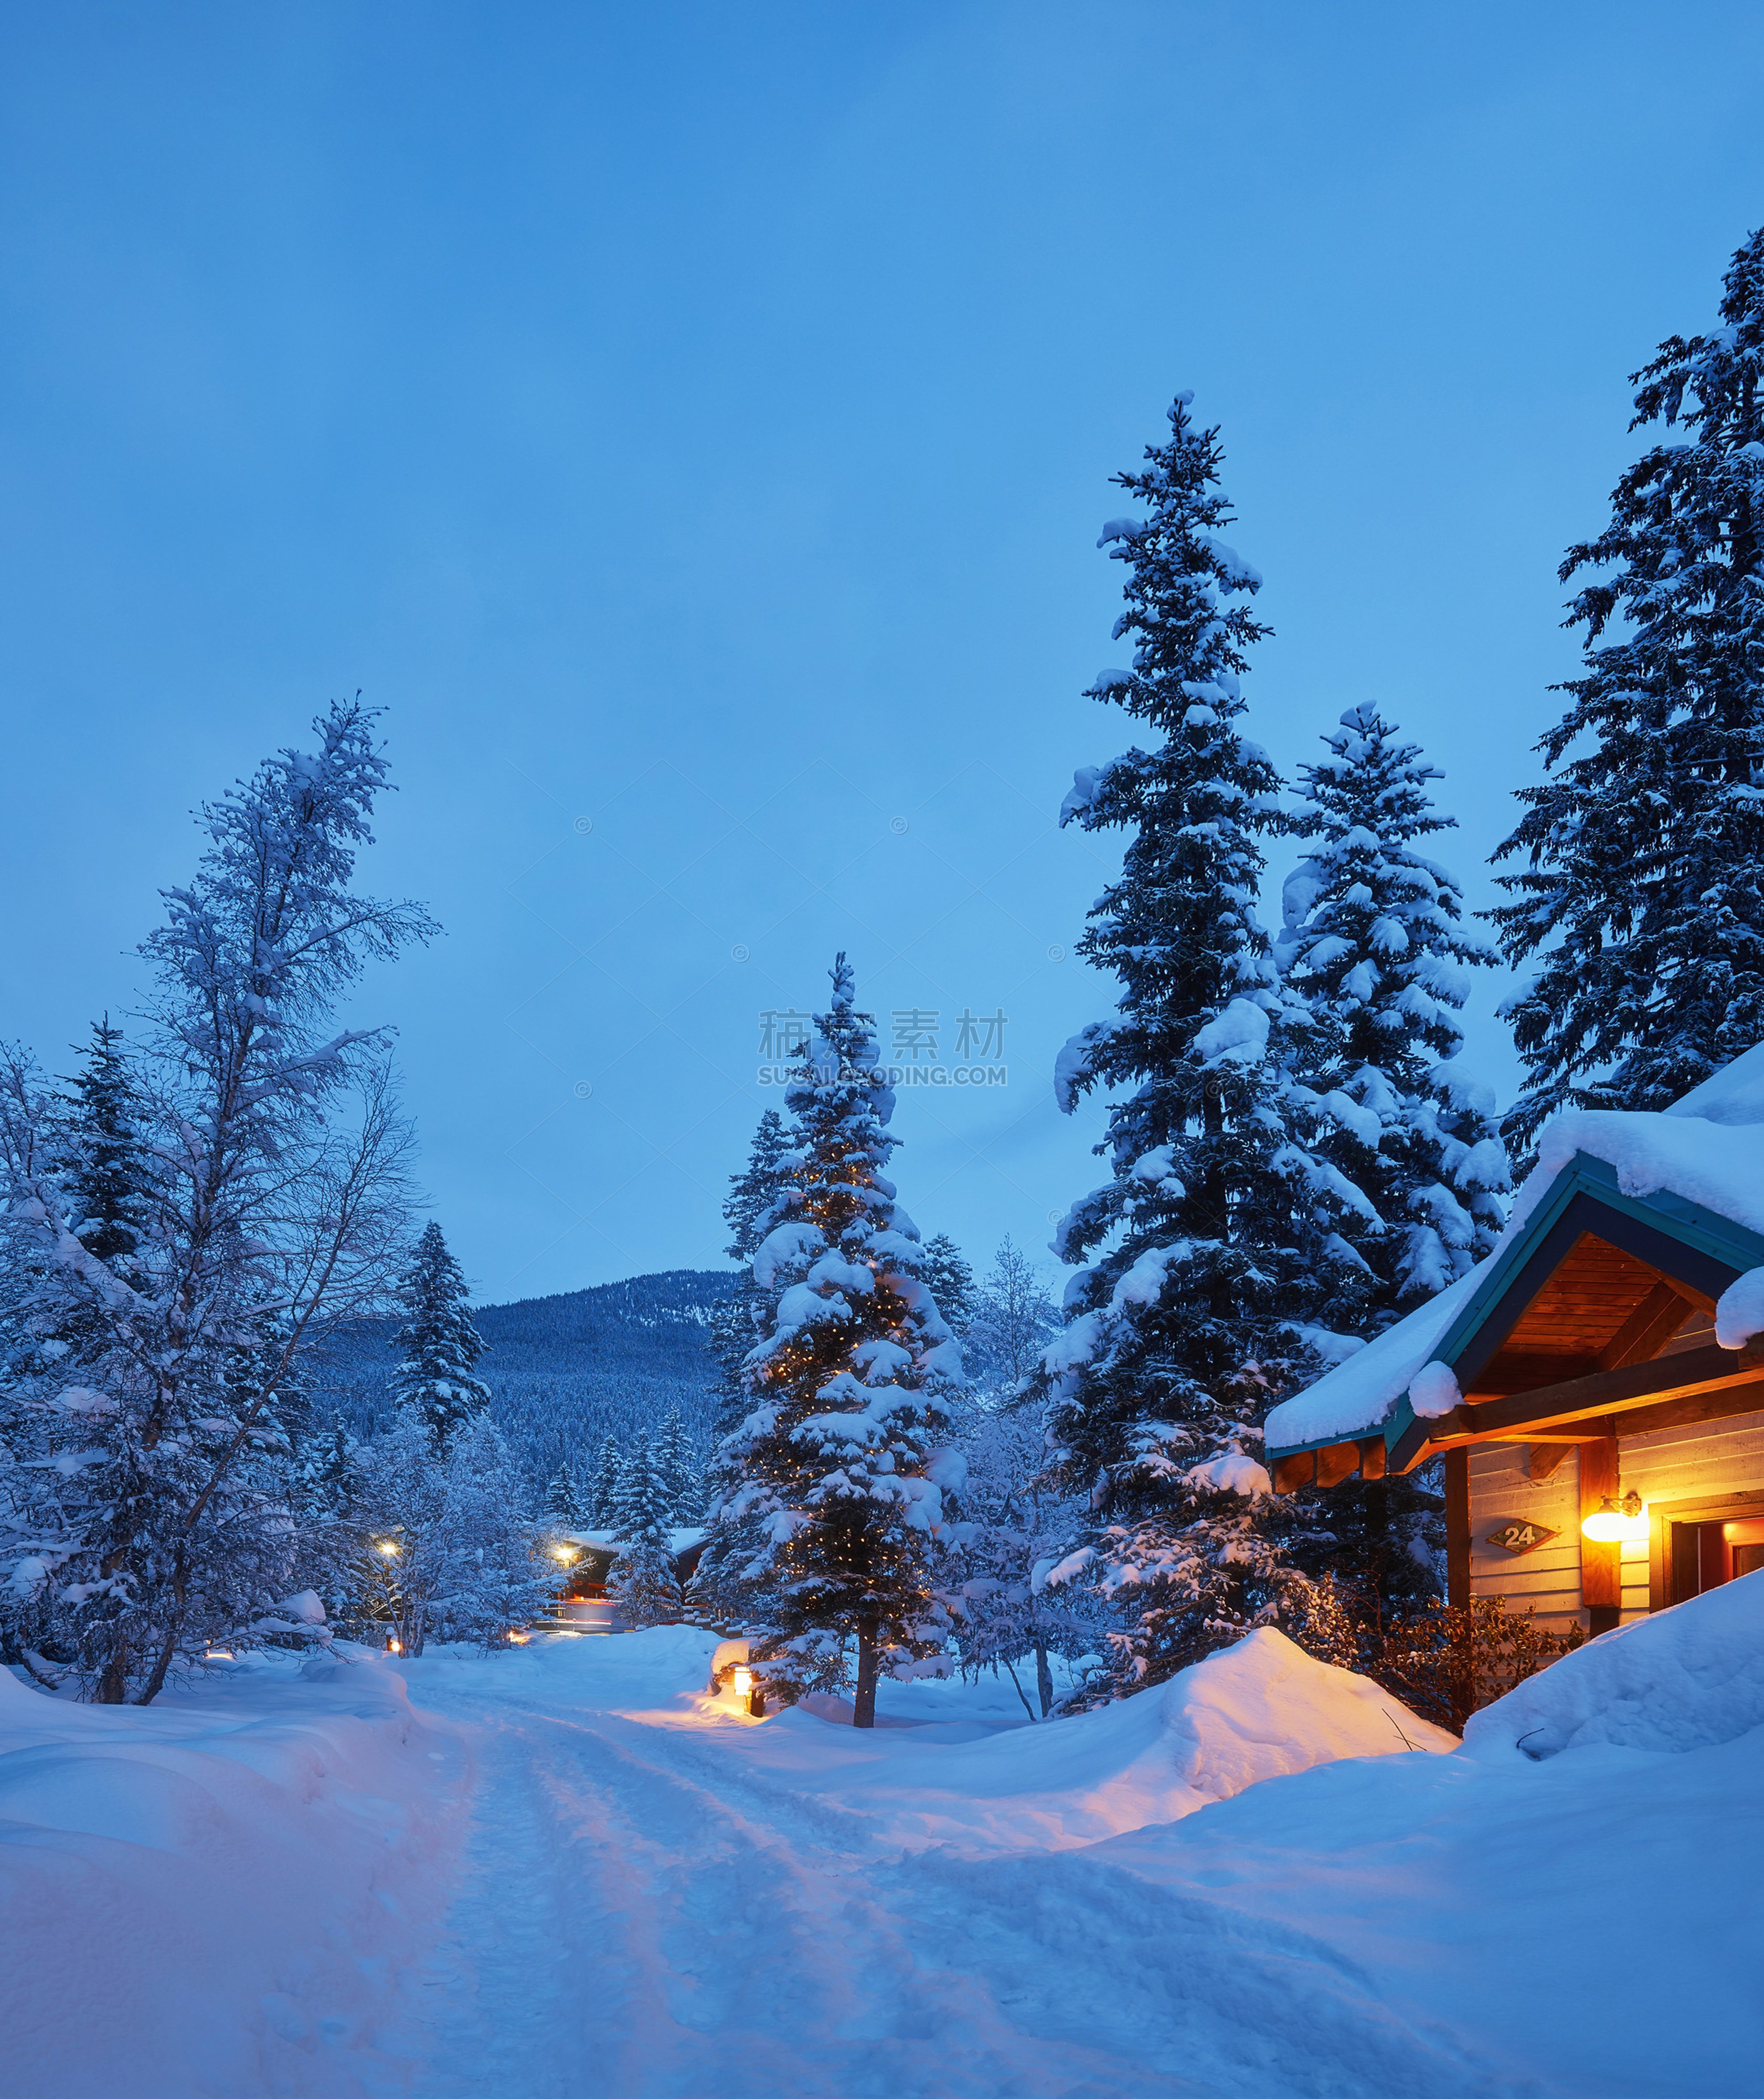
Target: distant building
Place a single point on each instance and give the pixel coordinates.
(583, 1604)
(1595, 1386)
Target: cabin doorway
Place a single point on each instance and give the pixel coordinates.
(1702, 1547)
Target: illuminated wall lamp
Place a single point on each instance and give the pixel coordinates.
(1617, 1523)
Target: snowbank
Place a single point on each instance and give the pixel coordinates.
(1480, 1905)
(1260, 1710)
(1685, 1679)
(211, 1896)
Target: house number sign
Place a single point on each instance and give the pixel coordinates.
(1521, 1537)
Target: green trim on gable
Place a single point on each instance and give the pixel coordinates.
(1716, 1238)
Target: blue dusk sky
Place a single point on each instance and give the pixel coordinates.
(692, 425)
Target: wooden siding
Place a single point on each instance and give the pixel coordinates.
(1703, 1460)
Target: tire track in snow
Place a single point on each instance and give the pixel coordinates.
(644, 1917)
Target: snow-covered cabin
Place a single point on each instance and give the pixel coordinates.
(583, 1600)
(1612, 1346)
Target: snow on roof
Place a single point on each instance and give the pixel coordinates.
(1707, 1148)
(681, 1539)
(1356, 1396)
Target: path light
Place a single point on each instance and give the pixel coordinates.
(741, 1683)
(1618, 1523)
(388, 1548)
(394, 1647)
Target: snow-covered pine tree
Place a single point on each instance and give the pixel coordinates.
(1642, 904)
(951, 1281)
(105, 1166)
(563, 1505)
(839, 1459)
(676, 1462)
(1220, 1232)
(750, 1213)
(1376, 945)
(441, 1345)
(757, 1199)
(635, 1467)
(645, 1579)
(601, 1499)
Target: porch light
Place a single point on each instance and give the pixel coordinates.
(741, 1683)
(388, 1548)
(1618, 1523)
(563, 1554)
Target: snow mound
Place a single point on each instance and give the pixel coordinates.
(215, 1895)
(1690, 1677)
(1262, 1709)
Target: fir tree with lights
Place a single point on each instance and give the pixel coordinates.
(836, 1475)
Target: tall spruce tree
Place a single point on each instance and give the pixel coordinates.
(750, 1213)
(629, 1487)
(756, 1198)
(1642, 904)
(105, 1164)
(645, 1579)
(1220, 1232)
(441, 1345)
(563, 1504)
(951, 1279)
(837, 1473)
(675, 1462)
(1376, 945)
(602, 1497)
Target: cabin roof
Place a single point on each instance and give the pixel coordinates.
(1627, 1232)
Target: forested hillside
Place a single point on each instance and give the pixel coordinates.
(564, 1372)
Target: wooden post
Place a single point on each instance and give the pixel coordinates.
(1458, 1528)
(1601, 1566)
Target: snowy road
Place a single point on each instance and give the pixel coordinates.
(565, 1873)
(654, 1906)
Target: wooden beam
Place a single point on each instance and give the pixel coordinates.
(1605, 1391)
(1542, 1458)
(1336, 1461)
(1296, 1471)
(1653, 1322)
(1601, 1566)
(1371, 1457)
(1691, 1406)
(1457, 1527)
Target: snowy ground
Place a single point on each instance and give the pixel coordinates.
(565, 1871)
